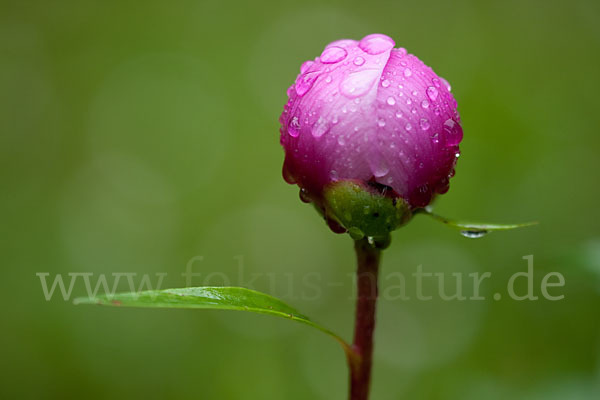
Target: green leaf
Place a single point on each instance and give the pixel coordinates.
(474, 230)
(216, 298)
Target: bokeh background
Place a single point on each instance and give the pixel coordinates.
(135, 136)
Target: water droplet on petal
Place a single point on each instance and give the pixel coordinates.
(320, 127)
(332, 55)
(379, 167)
(333, 174)
(391, 101)
(305, 82)
(432, 93)
(408, 127)
(407, 72)
(474, 234)
(385, 83)
(436, 82)
(358, 61)
(328, 79)
(376, 44)
(294, 127)
(454, 132)
(445, 82)
(425, 104)
(305, 66)
(381, 122)
(358, 83)
(341, 140)
(424, 124)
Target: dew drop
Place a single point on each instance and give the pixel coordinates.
(379, 167)
(294, 127)
(408, 127)
(304, 196)
(425, 104)
(432, 93)
(407, 72)
(333, 174)
(328, 79)
(381, 122)
(358, 61)
(305, 66)
(424, 124)
(474, 234)
(358, 83)
(436, 82)
(445, 82)
(333, 54)
(305, 82)
(320, 127)
(454, 132)
(385, 83)
(341, 140)
(376, 44)
(391, 101)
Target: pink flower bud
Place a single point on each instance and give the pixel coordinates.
(367, 112)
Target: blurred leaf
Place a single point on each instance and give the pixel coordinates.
(216, 298)
(474, 230)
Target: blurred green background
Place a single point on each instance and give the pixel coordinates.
(135, 136)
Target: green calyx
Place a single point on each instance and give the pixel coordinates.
(365, 211)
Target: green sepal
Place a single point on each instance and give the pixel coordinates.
(364, 211)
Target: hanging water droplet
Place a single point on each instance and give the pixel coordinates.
(304, 196)
(454, 132)
(294, 127)
(432, 93)
(333, 54)
(379, 167)
(376, 44)
(391, 101)
(474, 234)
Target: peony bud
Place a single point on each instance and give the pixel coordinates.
(377, 117)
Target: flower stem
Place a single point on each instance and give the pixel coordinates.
(367, 257)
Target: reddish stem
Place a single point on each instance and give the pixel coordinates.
(360, 363)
